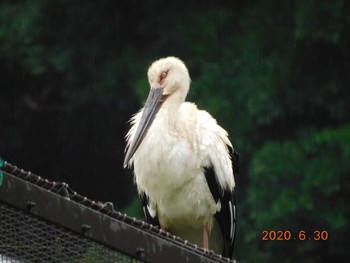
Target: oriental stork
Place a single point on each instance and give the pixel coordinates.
(184, 163)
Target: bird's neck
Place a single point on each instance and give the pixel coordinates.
(170, 110)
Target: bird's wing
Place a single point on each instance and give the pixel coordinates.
(149, 210)
(219, 166)
(226, 217)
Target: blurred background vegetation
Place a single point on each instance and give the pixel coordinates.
(276, 75)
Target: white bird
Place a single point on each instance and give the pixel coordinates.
(182, 162)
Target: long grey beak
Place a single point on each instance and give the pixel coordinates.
(153, 103)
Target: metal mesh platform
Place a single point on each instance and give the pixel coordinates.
(44, 221)
(24, 238)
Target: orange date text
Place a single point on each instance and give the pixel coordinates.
(286, 235)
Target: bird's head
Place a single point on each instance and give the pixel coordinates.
(169, 82)
(171, 75)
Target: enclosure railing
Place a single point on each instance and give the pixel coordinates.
(45, 221)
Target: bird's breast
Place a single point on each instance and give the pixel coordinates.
(167, 169)
(163, 160)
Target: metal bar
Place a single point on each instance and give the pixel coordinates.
(126, 238)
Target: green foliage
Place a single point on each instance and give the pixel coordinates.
(303, 184)
(134, 209)
(19, 35)
(320, 20)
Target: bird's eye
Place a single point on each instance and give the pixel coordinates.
(163, 75)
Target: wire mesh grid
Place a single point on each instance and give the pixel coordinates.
(36, 226)
(25, 238)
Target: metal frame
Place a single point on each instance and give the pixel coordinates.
(57, 203)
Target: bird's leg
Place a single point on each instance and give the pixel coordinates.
(206, 237)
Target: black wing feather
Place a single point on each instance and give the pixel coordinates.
(145, 203)
(227, 216)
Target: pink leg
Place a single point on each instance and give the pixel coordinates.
(206, 237)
